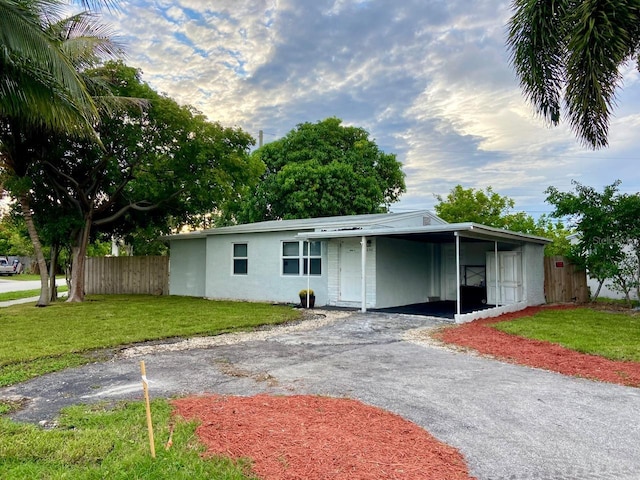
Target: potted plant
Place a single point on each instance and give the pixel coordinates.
(307, 294)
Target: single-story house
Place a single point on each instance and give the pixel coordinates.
(365, 261)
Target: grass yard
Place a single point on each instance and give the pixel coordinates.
(95, 442)
(615, 336)
(36, 341)
(24, 277)
(17, 295)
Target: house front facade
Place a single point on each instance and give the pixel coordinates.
(362, 261)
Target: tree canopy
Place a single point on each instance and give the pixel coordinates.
(489, 208)
(157, 167)
(43, 91)
(608, 233)
(321, 169)
(567, 56)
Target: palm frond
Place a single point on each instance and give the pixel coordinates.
(601, 41)
(28, 51)
(536, 41)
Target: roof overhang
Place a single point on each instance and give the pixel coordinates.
(431, 233)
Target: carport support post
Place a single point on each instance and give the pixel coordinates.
(497, 273)
(308, 270)
(363, 274)
(458, 302)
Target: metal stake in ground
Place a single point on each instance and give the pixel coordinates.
(145, 388)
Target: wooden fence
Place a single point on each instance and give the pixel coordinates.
(127, 275)
(564, 282)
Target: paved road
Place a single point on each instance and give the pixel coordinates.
(9, 284)
(510, 422)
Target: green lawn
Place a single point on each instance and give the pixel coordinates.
(35, 341)
(611, 335)
(24, 277)
(95, 442)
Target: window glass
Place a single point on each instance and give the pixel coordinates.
(240, 250)
(240, 266)
(291, 266)
(240, 261)
(316, 249)
(290, 249)
(316, 266)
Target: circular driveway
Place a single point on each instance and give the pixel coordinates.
(510, 422)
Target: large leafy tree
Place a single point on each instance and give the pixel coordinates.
(608, 230)
(321, 169)
(488, 207)
(568, 54)
(158, 167)
(77, 42)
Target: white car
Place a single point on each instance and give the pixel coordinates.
(10, 268)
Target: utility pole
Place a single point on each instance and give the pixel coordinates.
(260, 137)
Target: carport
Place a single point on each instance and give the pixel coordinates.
(471, 267)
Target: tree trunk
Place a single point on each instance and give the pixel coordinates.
(53, 288)
(595, 296)
(78, 256)
(25, 206)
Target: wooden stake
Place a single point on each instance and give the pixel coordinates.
(145, 387)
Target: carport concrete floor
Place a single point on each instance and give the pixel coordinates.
(441, 308)
(509, 421)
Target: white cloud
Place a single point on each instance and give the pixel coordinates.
(429, 80)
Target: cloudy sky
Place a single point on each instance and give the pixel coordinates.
(430, 81)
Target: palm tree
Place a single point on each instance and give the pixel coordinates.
(572, 51)
(38, 84)
(75, 42)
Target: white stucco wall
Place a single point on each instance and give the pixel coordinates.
(187, 267)
(533, 273)
(404, 272)
(264, 280)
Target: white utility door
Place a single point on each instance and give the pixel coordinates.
(449, 277)
(510, 282)
(350, 270)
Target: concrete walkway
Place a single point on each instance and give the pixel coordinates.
(510, 422)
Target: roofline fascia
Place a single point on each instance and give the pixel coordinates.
(464, 229)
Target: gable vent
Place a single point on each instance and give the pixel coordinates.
(426, 221)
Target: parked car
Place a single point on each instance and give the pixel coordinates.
(8, 267)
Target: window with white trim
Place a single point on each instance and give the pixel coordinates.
(240, 259)
(301, 253)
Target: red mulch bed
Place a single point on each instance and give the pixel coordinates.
(480, 336)
(310, 437)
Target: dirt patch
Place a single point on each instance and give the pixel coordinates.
(480, 336)
(302, 437)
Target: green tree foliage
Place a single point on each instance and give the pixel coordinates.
(39, 86)
(475, 205)
(563, 50)
(158, 167)
(489, 208)
(321, 169)
(609, 233)
(14, 239)
(43, 93)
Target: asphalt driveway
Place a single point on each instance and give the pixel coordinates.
(510, 422)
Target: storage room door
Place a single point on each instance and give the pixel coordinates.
(510, 282)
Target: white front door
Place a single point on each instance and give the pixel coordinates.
(350, 270)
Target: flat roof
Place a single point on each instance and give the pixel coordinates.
(375, 220)
(467, 230)
(370, 225)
